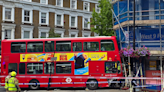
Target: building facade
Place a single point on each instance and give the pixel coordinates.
(22, 19)
(147, 30)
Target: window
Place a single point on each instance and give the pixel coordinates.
(35, 47)
(86, 33)
(73, 4)
(27, 15)
(86, 6)
(49, 67)
(27, 31)
(17, 47)
(86, 24)
(110, 67)
(43, 35)
(63, 46)
(107, 45)
(91, 46)
(26, 34)
(12, 67)
(8, 13)
(77, 46)
(59, 3)
(43, 18)
(44, 1)
(8, 33)
(64, 67)
(49, 46)
(73, 21)
(58, 19)
(34, 68)
(22, 68)
(73, 35)
(97, 8)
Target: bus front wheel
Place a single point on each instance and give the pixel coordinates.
(92, 84)
(34, 84)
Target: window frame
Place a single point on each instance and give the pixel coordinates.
(96, 7)
(62, 62)
(88, 26)
(75, 4)
(30, 16)
(91, 41)
(24, 68)
(33, 66)
(88, 6)
(28, 0)
(63, 41)
(62, 19)
(107, 40)
(47, 18)
(35, 42)
(12, 13)
(110, 62)
(53, 46)
(16, 67)
(18, 42)
(44, 29)
(81, 46)
(76, 21)
(26, 28)
(44, 3)
(61, 3)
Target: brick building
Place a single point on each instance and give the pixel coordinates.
(21, 19)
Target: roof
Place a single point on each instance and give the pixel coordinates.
(60, 39)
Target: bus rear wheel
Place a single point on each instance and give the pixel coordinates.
(92, 84)
(35, 85)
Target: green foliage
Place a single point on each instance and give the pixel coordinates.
(103, 20)
(52, 34)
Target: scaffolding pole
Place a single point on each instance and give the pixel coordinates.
(160, 44)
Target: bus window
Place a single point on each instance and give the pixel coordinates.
(110, 67)
(77, 46)
(35, 47)
(48, 67)
(64, 67)
(34, 68)
(91, 46)
(12, 67)
(107, 45)
(49, 46)
(63, 46)
(22, 68)
(17, 47)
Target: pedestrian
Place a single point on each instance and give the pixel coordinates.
(13, 83)
(6, 81)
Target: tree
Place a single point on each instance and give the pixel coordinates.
(103, 20)
(52, 34)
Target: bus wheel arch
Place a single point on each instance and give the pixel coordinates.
(92, 85)
(34, 86)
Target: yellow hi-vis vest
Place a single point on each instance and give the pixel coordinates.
(12, 84)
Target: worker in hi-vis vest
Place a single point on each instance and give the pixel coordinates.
(6, 81)
(13, 83)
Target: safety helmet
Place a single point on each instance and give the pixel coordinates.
(13, 73)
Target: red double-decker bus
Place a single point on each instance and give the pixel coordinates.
(62, 62)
